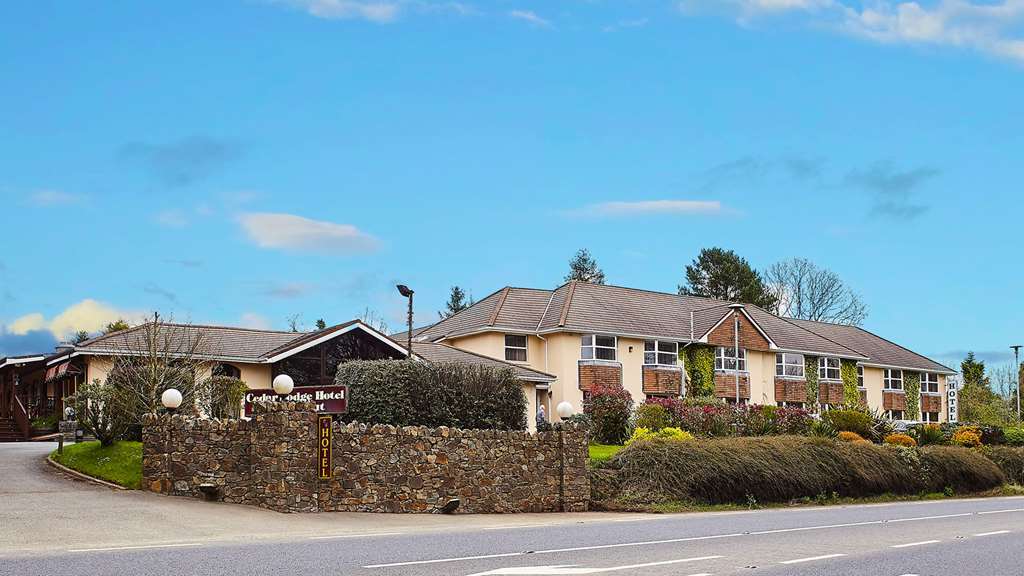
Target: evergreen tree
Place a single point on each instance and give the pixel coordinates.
(722, 274)
(320, 324)
(457, 302)
(80, 336)
(584, 268)
(116, 325)
(979, 404)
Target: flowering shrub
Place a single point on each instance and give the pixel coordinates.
(847, 436)
(716, 419)
(927, 434)
(674, 434)
(849, 421)
(900, 440)
(967, 437)
(609, 409)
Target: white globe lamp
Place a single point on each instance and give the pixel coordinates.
(171, 399)
(283, 384)
(565, 410)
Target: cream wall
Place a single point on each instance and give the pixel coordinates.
(761, 372)
(873, 383)
(632, 366)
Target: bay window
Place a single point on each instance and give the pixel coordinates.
(661, 353)
(726, 359)
(789, 365)
(597, 347)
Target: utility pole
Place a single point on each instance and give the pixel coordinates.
(1016, 371)
(736, 346)
(407, 292)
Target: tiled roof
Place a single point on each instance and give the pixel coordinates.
(436, 352)
(790, 336)
(512, 308)
(214, 341)
(877, 349)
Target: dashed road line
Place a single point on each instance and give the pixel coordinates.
(812, 559)
(996, 533)
(364, 535)
(912, 544)
(142, 547)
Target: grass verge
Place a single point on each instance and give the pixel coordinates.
(120, 463)
(602, 452)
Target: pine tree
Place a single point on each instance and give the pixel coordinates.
(722, 274)
(457, 302)
(320, 324)
(584, 268)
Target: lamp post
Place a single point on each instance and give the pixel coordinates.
(407, 293)
(565, 410)
(283, 384)
(736, 349)
(1016, 370)
(171, 399)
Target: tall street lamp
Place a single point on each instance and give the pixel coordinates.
(1016, 371)
(407, 293)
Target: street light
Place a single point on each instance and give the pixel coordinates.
(565, 410)
(1016, 370)
(283, 384)
(407, 292)
(171, 399)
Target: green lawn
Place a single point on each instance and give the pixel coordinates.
(602, 452)
(120, 463)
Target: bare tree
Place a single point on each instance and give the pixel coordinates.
(373, 319)
(804, 290)
(295, 323)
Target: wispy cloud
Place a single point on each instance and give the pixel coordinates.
(184, 262)
(291, 232)
(47, 198)
(892, 189)
(988, 27)
(182, 162)
(156, 290)
(380, 12)
(89, 315)
(641, 207)
(530, 17)
(289, 290)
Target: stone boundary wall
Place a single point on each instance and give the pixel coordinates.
(270, 461)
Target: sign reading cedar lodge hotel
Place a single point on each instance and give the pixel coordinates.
(328, 399)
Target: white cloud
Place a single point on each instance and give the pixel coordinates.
(531, 17)
(651, 207)
(255, 321)
(988, 27)
(47, 198)
(290, 232)
(379, 11)
(88, 315)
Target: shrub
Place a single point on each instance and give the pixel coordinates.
(652, 416)
(992, 435)
(609, 409)
(101, 410)
(846, 436)
(784, 468)
(406, 393)
(849, 421)
(674, 434)
(822, 430)
(927, 434)
(221, 396)
(1009, 459)
(900, 440)
(1014, 436)
(711, 417)
(966, 437)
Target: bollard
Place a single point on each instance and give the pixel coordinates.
(60, 443)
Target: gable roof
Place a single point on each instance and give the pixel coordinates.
(438, 352)
(878, 350)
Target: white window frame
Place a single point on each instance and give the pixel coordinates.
(824, 368)
(860, 377)
(784, 360)
(888, 379)
(658, 352)
(593, 347)
(925, 418)
(525, 347)
(725, 353)
(932, 378)
(891, 414)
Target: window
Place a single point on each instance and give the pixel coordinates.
(892, 379)
(226, 370)
(660, 352)
(930, 417)
(725, 359)
(597, 347)
(828, 369)
(789, 365)
(929, 383)
(894, 414)
(515, 347)
(860, 376)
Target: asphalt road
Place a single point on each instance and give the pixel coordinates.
(949, 538)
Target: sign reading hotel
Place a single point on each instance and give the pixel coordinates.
(328, 399)
(952, 402)
(323, 445)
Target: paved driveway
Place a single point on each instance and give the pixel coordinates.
(42, 509)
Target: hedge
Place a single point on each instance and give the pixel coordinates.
(1010, 461)
(784, 468)
(407, 393)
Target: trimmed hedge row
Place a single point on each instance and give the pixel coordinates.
(1010, 460)
(406, 393)
(784, 468)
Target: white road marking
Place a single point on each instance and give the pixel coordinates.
(910, 544)
(516, 526)
(364, 535)
(574, 569)
(689, 539)
(812, 559)
(997, 532)
(146, 547)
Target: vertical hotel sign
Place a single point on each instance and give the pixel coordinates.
(324, 447)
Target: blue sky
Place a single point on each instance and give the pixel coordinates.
(238, 162)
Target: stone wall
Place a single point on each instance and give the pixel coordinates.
(270, 461)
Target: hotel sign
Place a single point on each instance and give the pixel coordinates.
(952, 402)
(323, 446)
(328, 399)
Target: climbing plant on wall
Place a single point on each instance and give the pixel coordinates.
(700, 370)
(851, 394)
(811, 376)
(912, 389)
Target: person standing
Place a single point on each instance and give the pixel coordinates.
(541, 416)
